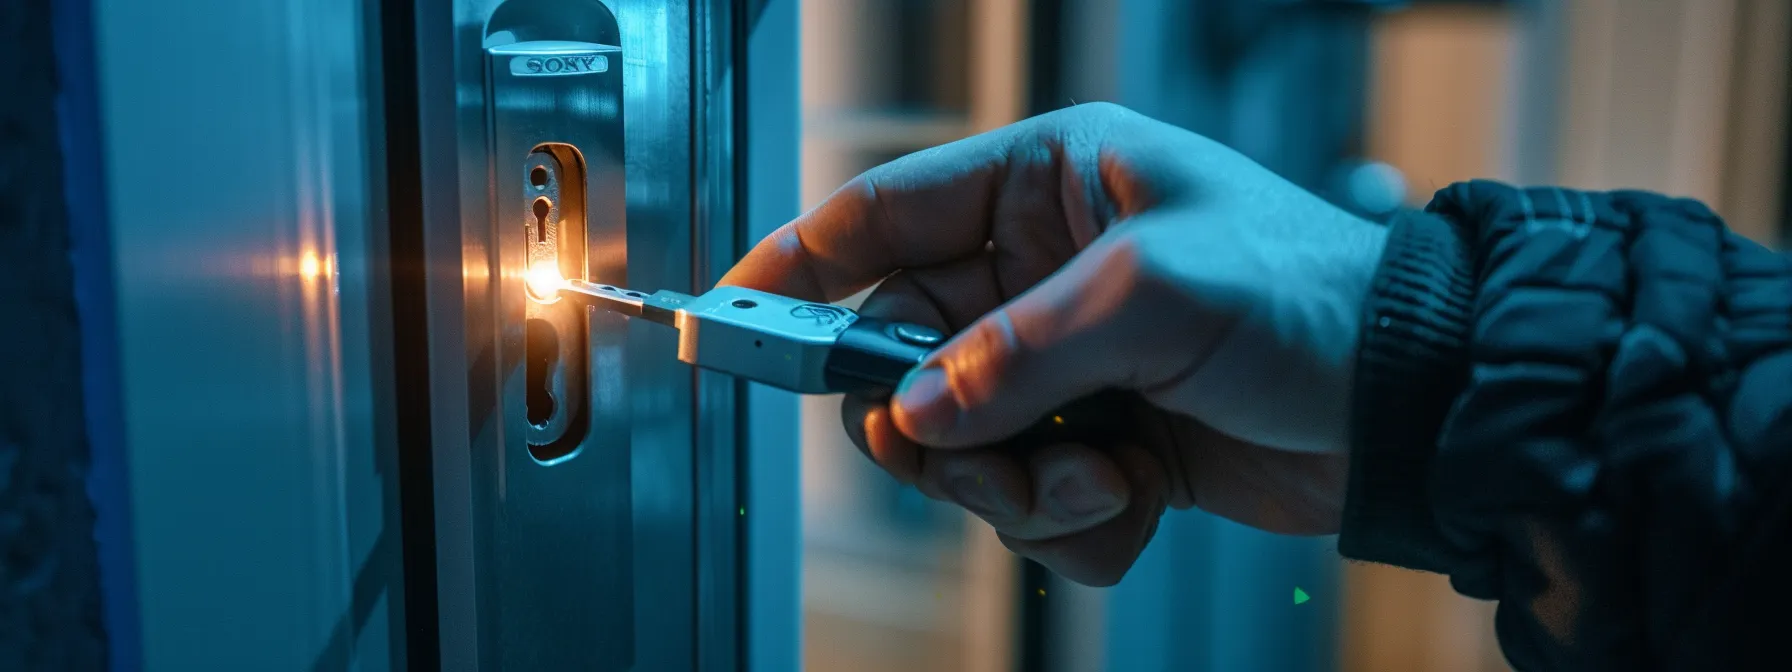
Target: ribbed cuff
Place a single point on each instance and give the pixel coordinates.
(1411, 365)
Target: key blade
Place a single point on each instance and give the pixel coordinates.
(613, 299)
(661, 307)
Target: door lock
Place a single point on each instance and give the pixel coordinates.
(557, 141)
(552, 518)
(556, 360)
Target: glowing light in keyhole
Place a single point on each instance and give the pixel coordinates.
(544, 281)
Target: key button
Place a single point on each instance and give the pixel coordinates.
(915, 334)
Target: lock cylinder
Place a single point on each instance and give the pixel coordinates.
(556, 354)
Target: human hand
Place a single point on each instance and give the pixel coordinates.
(1085, 250)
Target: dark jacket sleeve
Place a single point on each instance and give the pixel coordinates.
(1577, 403)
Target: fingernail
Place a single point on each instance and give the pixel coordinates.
(973, 493)
(1078, 497)
(923, 397)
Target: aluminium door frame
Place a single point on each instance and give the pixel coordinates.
(692, 538)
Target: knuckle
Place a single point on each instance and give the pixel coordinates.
(1104, 110)
(1085, 121)
(861, 192)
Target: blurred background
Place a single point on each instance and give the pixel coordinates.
(1372, 104)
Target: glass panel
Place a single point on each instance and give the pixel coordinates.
(238, 161)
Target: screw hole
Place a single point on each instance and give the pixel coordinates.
(606, 288)
(635, 294)
(757, 344)
(743, 303)
(538, 177)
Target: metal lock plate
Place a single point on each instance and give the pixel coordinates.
(620, 550)
(554, 509)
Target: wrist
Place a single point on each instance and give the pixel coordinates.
(1411, 362)
(1365, 250)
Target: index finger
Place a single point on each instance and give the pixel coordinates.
(926, 208)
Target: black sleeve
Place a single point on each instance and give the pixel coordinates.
(1577, 404)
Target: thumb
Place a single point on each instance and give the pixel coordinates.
(1061, 340)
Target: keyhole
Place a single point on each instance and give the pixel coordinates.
(541, 219)
(543, 356)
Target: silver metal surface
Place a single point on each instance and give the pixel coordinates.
(918, 335)
(550, 517)
(596, 562)
(238, 148)
(766, 338)
(770, 469)
(660, 307)
(556, 146)
(550, 58)
(556, 338)
(720, 508)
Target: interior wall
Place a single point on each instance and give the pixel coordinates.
(1686, 97)
(1757, 169)
(1439, 83)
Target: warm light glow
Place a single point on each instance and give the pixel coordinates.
(309, 267)
(544, 281)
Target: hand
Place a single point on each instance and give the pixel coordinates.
(1091, 249)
